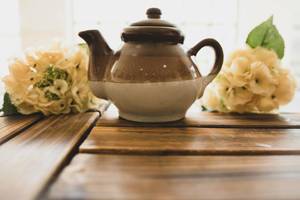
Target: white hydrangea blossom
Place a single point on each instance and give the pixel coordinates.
(252, 80)
(51, 81)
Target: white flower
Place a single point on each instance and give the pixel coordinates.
(241, 96)
(18, 89)
(94, 102)
(212, 101)
(240, 71)
(60, 87)
(230, 94)
(251, 80)
(80, 95)
(285, 90)
(222, 85)
(266, 104)
(51, 81)
(240, 66)
(55, 107)
(245, 53)
(26, 108)
(236, 80)
(32, 97)
(268, 57)
(20, 71)
(262, 81)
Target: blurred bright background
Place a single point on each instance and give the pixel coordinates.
(34, 23)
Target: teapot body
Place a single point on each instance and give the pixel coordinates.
(151, 82)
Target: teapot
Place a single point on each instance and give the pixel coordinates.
(151, 78)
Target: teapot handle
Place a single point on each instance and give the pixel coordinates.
(219, 56)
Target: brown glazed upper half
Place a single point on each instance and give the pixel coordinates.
(152, 52)
(151, 62)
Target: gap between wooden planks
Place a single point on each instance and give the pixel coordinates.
(196, 118)
(10, 126)
(200, 133)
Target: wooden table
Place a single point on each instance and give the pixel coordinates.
(205, 156)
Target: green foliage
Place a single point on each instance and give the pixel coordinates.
(43, 83)
(266, 35)
(51, 96)
(52, 73)
(203, 108)
(8, 108)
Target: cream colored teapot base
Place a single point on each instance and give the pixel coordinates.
(151, 102)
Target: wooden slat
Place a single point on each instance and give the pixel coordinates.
(191, 141)
(196, 118)
(29, 161)
(91, 176)
(12, 125)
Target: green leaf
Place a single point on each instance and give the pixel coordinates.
(266, 35)
(8, 108)
(256, 36)
(203, 108)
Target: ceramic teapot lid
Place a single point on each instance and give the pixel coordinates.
(152, 29)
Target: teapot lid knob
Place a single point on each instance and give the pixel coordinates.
(153, 13)
(152, 29)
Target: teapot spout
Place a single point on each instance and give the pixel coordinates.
(100, 54)
(100, 59)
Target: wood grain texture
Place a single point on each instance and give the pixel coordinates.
(192, 141)
(12, 125)
(196, 118)
(29, 161)
(91, 176)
